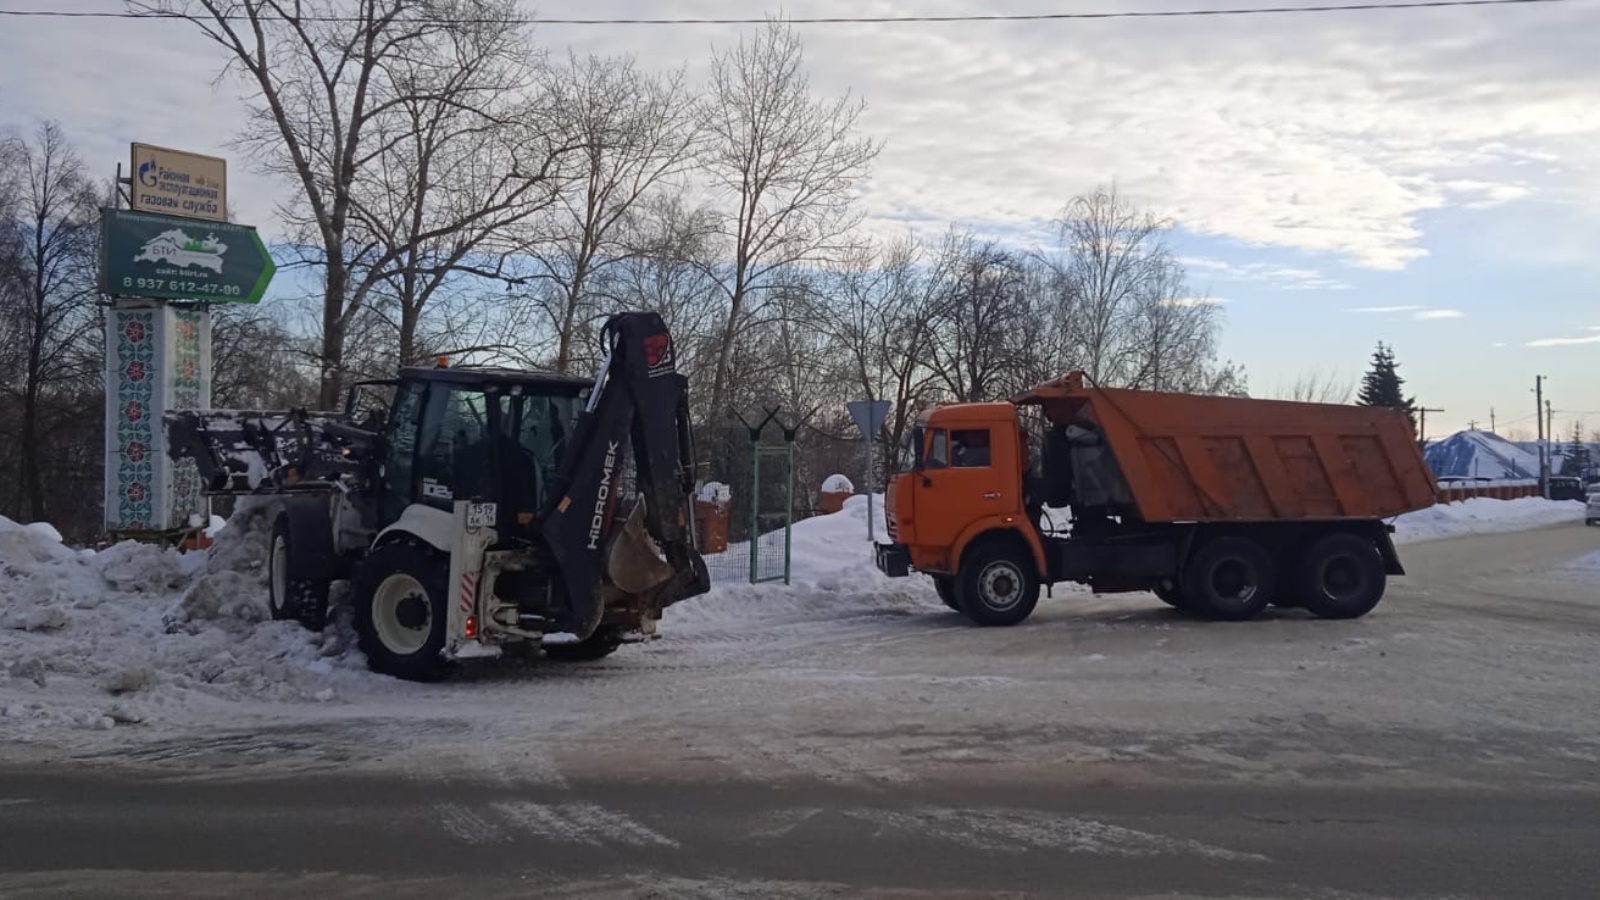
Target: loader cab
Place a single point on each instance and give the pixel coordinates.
(496, 435)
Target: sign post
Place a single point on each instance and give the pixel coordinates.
(869, 416)
(163, 262)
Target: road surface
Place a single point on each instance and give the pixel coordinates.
(1447, 746)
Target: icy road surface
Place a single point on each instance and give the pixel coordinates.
(846, 732)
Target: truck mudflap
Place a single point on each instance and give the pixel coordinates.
(893, 560)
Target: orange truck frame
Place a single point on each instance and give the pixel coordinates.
(1218, 505)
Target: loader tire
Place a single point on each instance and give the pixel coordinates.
(997, 585)
(945, 586)
(304, 600)
(1230, 578)
(1342, 577)
(401, 597)
(604, 642)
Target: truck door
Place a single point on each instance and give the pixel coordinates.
(962, 480)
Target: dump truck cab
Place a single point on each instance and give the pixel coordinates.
(1217, 505)
(960, 478)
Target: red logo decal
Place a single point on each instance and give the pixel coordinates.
(656, 348)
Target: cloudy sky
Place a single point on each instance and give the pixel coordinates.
(1429, 177)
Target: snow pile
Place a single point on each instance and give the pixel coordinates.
(135, 632)
(837, 484)
(1483, 515)
(832, 576)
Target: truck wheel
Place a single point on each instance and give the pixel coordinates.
(301, 599)
(997, 586)
(945, 585)
(1342, 577)
(400, 596)
(1230, 578)
(604, 642)
(1172, 597)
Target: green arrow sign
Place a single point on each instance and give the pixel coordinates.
(151, 255)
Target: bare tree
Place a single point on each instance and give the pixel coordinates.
(634, 132)
(981, 324)
(1317, 386)
(332, 85)
(784, 162)
(47, 299)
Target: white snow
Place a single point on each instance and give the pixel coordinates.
(1483, 515)
(837, 484)
(134, 636)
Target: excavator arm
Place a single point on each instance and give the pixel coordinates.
(640, 401)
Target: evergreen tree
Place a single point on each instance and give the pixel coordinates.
(1383, 386)
(1577, 460)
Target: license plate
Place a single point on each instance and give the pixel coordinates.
(481, 515)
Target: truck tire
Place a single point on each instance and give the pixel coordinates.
(1230, 578)
(997, 585)
(304, 600)
(945, 586)
(400, 593)
(604, 642)
(1172, 597)
(1342, 577)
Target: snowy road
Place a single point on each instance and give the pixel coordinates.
(1446, 745)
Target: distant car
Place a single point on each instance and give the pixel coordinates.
(1591, 505)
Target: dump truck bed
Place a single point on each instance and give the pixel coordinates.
(1188, 458)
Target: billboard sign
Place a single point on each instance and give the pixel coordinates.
(173, 258)
(178, 183)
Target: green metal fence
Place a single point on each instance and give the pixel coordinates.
(759, 474)
(771, 512)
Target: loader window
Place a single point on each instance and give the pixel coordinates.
(453, 460)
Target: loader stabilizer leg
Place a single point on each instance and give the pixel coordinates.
(639, 397)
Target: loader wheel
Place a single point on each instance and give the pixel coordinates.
(604, 642)
(1342, 577)
(997, 586)
(304, 600)
(945, 586)
(400, 594)
(1230, 578)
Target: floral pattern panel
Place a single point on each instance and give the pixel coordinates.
(187, 378)
(131, 494)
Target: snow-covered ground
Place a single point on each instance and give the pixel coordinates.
(136, 637)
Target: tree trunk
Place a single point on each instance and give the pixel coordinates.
(333, 330)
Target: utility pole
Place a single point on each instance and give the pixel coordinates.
(1423, 424)
(1538, 417)
(1491, 421)
(1472, 425)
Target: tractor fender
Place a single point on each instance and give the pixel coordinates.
(431, 526)
(314, 557)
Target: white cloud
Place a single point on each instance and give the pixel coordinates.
(1566, 341)
(1382, 309)
(1431, 314)
(1197, 301)
(1332, 134)
(1290, 278)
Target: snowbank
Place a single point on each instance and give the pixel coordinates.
(116, 637)
(1482, 515)
(133, 633)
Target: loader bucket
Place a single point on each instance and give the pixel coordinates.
(634, 565)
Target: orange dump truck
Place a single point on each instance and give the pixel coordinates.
(1218, 505)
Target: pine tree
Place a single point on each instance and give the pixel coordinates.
(1577, 458)
(1383, 386)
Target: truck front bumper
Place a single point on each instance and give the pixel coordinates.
(893, 560)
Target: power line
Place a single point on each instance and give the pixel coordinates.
(814, 20)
